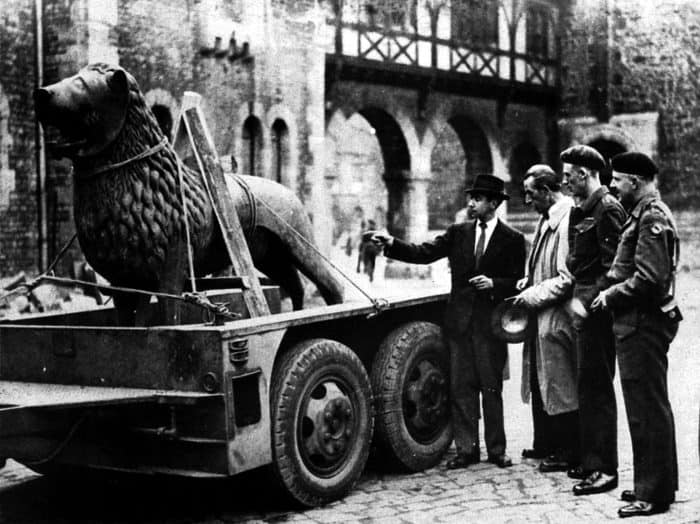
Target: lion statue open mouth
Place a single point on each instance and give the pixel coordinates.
(127, 207)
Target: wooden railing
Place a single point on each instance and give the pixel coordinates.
(410, 48)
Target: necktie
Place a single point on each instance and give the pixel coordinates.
(480, 244)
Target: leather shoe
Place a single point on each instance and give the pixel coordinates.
(531, 453)
(578, 473)
(641, 508)
(554, 463)
(462, 460)
(596, 482)
(502, 461)
(628, 495)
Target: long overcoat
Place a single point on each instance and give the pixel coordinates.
(549, 295)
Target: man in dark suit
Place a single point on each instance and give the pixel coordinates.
(486, 258)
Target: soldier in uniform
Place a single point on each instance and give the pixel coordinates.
(645, 321)
(595, 226)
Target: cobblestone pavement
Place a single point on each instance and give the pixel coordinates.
(481, 493)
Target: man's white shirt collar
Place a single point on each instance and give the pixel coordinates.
(490, 227)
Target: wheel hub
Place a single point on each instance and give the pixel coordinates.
(328, 426)
(426, 399)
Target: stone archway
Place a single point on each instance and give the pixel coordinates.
(461, 153)
(397, 167)
(368, 168)
(445, 190)
(164, 108)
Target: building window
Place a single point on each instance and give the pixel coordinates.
(537, 24)
(475, 22)
(280, 151)
(164, 119)
(252, 144)
(7, 175)
(394, 15)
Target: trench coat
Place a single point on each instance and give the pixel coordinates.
(549, 295)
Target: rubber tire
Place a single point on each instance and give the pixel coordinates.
(396, 447)
(297, 370)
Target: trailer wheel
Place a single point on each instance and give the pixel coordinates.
(410, 381)
(322, 421)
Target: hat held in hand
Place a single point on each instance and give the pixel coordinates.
(510, 322)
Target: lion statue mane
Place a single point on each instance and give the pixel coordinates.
(127, 205)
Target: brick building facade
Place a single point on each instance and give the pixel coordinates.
(18, 202)
(395, 138)
(630, 81)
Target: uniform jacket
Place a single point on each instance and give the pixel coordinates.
(550, 289)
(594, 233)
(503, 261)
(643, 269)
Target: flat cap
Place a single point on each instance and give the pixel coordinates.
(634, 163)
(585, 156)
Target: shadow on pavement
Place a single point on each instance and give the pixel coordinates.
(144, 499)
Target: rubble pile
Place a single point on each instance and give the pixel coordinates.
(16, 299)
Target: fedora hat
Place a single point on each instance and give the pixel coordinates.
(510, 322)
(488, 185)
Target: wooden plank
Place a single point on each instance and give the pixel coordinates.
(225, 210)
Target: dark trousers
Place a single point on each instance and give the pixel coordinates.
(643, 372)
(552, 433)
(476, 367)
(595, 345)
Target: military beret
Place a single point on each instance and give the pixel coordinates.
(584, 156)
(634, 163)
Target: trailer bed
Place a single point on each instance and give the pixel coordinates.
(15, 394)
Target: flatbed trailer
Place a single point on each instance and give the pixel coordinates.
(305, 394)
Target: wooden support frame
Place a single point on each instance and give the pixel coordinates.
(191, 126)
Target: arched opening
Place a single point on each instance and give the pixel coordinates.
(251, 147)
(164, 119)
(367, 172)
(523, 157)
(461, 153)
(354, 170)
(397, 168)
(446, 190)
(607, 148)
(280, 151)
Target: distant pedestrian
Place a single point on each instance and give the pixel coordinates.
(595, 227)
(487, 258)
(641, 298)
(549, 356)
(367, 252)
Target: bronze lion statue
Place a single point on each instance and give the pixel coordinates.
(127, 204)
